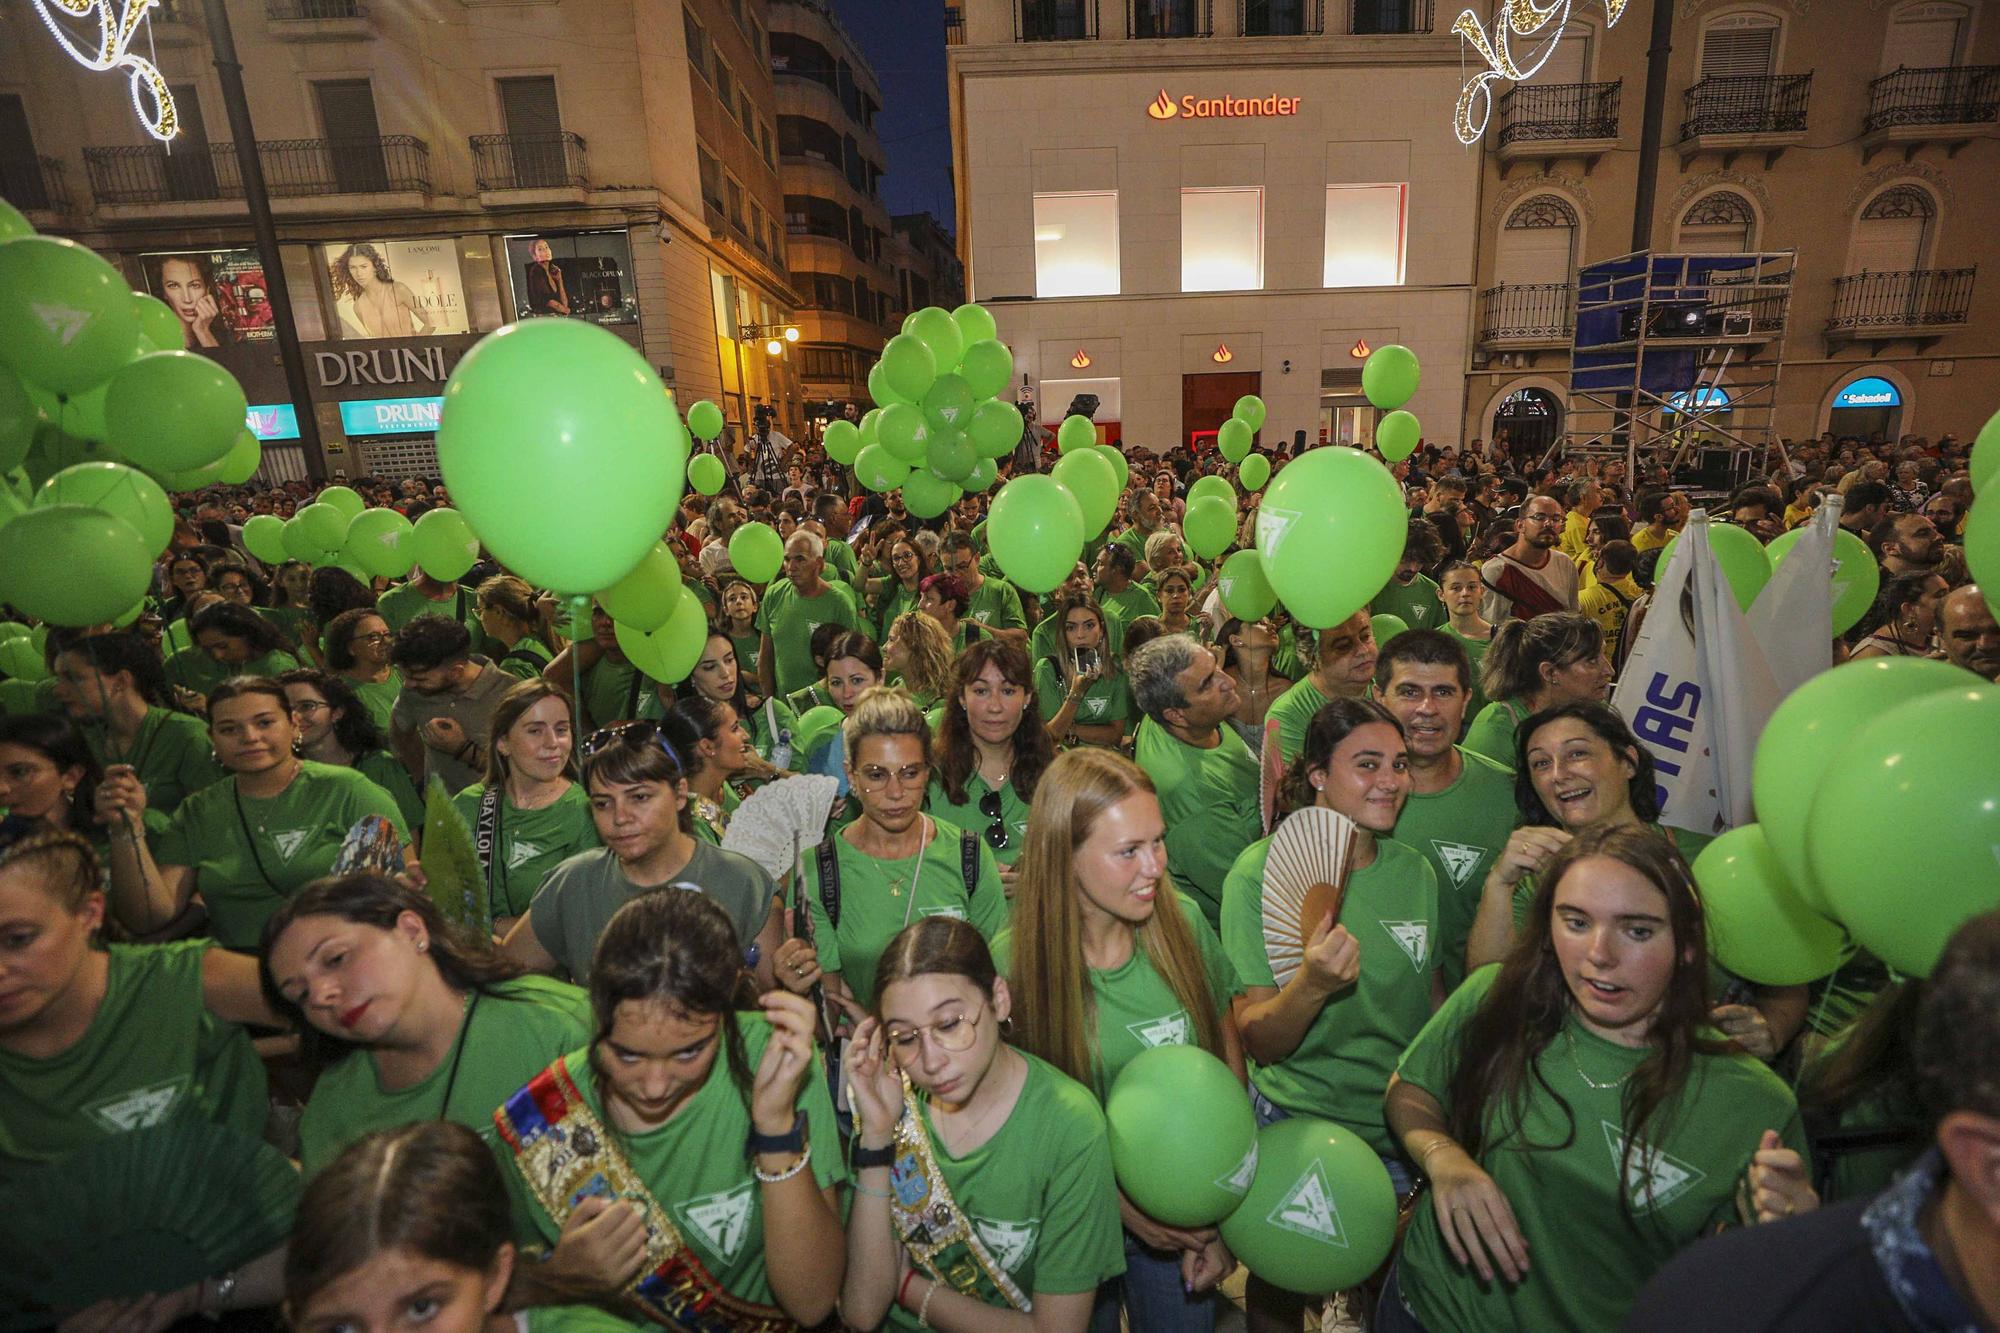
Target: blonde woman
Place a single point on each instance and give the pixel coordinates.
(919, 651)
(508, 614)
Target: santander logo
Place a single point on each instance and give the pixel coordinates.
(1162, 107)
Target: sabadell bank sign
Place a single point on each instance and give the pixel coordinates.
(1190, 107)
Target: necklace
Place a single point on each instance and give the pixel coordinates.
(1577, 1064)
(969, 1134)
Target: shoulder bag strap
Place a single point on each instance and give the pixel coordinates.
(829, 879)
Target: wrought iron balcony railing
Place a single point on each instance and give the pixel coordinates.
(309, 11)
(550, 161)
(1952, 95)
(34, 184)
(293, 169)
(1559, 111)
(1522, 312)
(1747, 104)
(1167, 18)
(1914, 299)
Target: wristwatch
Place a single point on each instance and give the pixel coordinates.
(793, 1140)
(867, 1157)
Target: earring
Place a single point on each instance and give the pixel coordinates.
(423, 946)
(298, 745)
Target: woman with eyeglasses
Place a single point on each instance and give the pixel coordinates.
(1534, 664)
(114, 687)
(636, 782)
(358, 643)
(719, 753)
(1080, 690)
(334, 728)
(996, 1139)
(894, 863)
(186, 575)
(1103, 966)
(908, 567)
(991, 750)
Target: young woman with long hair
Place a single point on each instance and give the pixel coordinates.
(1553, 659)
(1580, 1074)
(1107, 959)
(114, 687)
(358, 644)
(529, 815)
(1248, 649)
(719, 753)
(290, 608)
(994, 1133)
(404, 1017)
(1903, 620)
(918, 654)
(736, 620)
(1175, 589)
(991, 749)
(908, 567)
(1080, 690)
(708, 1119)
(230, 640)
(47, 775)
(719, 677)
(335, 728)
(510, 618)
(853, 667)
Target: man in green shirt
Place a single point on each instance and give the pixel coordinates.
(423, 595)
(1122, 598)
(1409, 595)
(993, 602)
(443, 720)
(1461, 807)
(1344, 668)
(1205, 775)
(1147, 519)
(831, 511)
(793, 608)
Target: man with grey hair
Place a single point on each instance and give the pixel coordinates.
(793, 608)
(1205, 775)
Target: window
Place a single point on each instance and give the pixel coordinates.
(711, 178)
(1739, 45)
(1893, 232)
(1364, 235)
(697, 43)
(725, 86)
(823, 363)
(1720, 222)
(770, 150)
(1222, 240)
(734, 190)
(1538, 242)
(1924, 37)
(759, 224)
(20, 170)
(744, 115)
(347, 115)
(1076, 244)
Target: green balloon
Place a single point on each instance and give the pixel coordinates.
(1249, 410)
(987, 367)
(1209, 525)
(1085, 475)
(118, 490)
(568, 489)
(242, 461)
(909, 366)
(1233, 441)
(345, 499)
(173, 410)
(1212, 485)
(1116, 457)
(704, 421)
(445, 544)
(1982, 548)
(323, 525)
(382, 542)
(1076, 432)
(298, 546)
(1246, 593)
(1389, 376)
(668, 654)
(1758, 925)
(1386, 626)
(21, 660)
(948, 405)
(158, 324)
(264, 537)
(1397, 435)
(974, 324)
(12, 629)
(878, 469)
(646, 597)
(934, 327)
(1902, 832)
(1183, 1136)
(706, 474)
(984, 473)
(904, 431)
(880, 391)
(78, 415)
(1253, 472)
(995, 428)
(1331, 529)
(757, 552)
(1035, 528)
(842, 441)
(951, 455)
(180, 482)
(869, 422)
(20, 418)
(1797, 748)
(927, 495)
(1985, 459)
(814, 726)
(12, 224)
(1744, 561)
(1856, 577)
(1320, 1215)
(67, 321)
(71, 565)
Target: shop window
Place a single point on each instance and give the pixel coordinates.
(1222, 240)
(1076, 244)
(1365, 227)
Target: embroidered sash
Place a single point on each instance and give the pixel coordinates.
(565, 1156)
(929, 1219)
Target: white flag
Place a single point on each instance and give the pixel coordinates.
(1792, 619)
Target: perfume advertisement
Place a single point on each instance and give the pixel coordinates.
(396, 289)
(581, 275)
(219, 296)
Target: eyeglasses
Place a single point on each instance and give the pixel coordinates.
(308, 707)
(875, 777)
(634, 733)
(996, 832)
(379, 636)
(953, 1033)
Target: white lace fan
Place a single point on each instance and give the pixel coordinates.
(780, 820)
(1305, 877)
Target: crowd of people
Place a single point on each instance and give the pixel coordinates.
(663, 1085)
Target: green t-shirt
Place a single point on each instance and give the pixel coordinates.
(1461, 832)
(611, 693)
(893, 603)
(580, 896)
(1127, 606)
(387, 772)
(525, 660)
(1286, 660)
(516, 1029)
(879, 898)
(748, 647)
(1211, 804)
(1493, 732)
(405, 602)
(696, 1167)
(711, 818)
(294, 622)
(380, 698)
(152, 1052)
(528, 844)
(1013, 813)
(996, 604)
(1040, 1193)
(193, 669)
(1047, 640)
(1293, 712)
(1416, 602)
(1598, 1224)
(790, 620)
(1107, 701)
(1134, 541)
(171, 754)
(1475, 650)
(1342, 1064)
(841, 563)
(292, 840)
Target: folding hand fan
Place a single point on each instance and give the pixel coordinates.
(1305, 877)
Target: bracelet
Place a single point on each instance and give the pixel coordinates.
(903, 1292)
(924, 1310)
(224, 1287)
(786, 1174)
(1424, 1157)
(873, 1194)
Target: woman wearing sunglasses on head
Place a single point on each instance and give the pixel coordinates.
(991, 750)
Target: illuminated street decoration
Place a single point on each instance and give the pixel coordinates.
(117, 24)
(1522, 19)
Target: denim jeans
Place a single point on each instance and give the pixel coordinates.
(1270, 1113)
(1391, 1314)
(1152, 1296)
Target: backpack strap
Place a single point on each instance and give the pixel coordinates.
(829, 879)
(968, 860)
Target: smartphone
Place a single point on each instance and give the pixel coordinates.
(1086, 661)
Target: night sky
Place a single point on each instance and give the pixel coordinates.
(904, 41)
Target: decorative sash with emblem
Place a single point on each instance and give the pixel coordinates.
(565, 1156)
(928, 1218)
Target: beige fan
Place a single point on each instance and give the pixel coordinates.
(1305, 877)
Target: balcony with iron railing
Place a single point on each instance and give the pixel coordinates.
(1055, 20)
(1379, 17)
(293, 169)
(1949, 105)
(1168, 18)
(1281, 18)
(954, 26)
(314, 11)
(1921, 304)
(548, 161)
(35, 184)
(1734, 113)
(1540, 123)
(1514, 316)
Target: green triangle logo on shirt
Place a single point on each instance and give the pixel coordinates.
(1165, 1030)
(1096, 707)
(1308, 1210)
(1652, 1178)
(521, 853)
(1421, 613)
(1412, 937)
(1010, 1242)
(289, 841)
(721, 1219)
(141, 1108)
(1237, 1182)
(1460, 859)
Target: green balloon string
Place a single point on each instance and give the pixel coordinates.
(579, 630)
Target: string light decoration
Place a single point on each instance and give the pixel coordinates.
(1522, 19)
(117, 24)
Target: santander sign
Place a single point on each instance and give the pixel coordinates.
(1191, 107)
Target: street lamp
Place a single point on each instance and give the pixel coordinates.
(775, 337)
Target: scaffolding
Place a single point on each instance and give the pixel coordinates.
(1675, 360)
